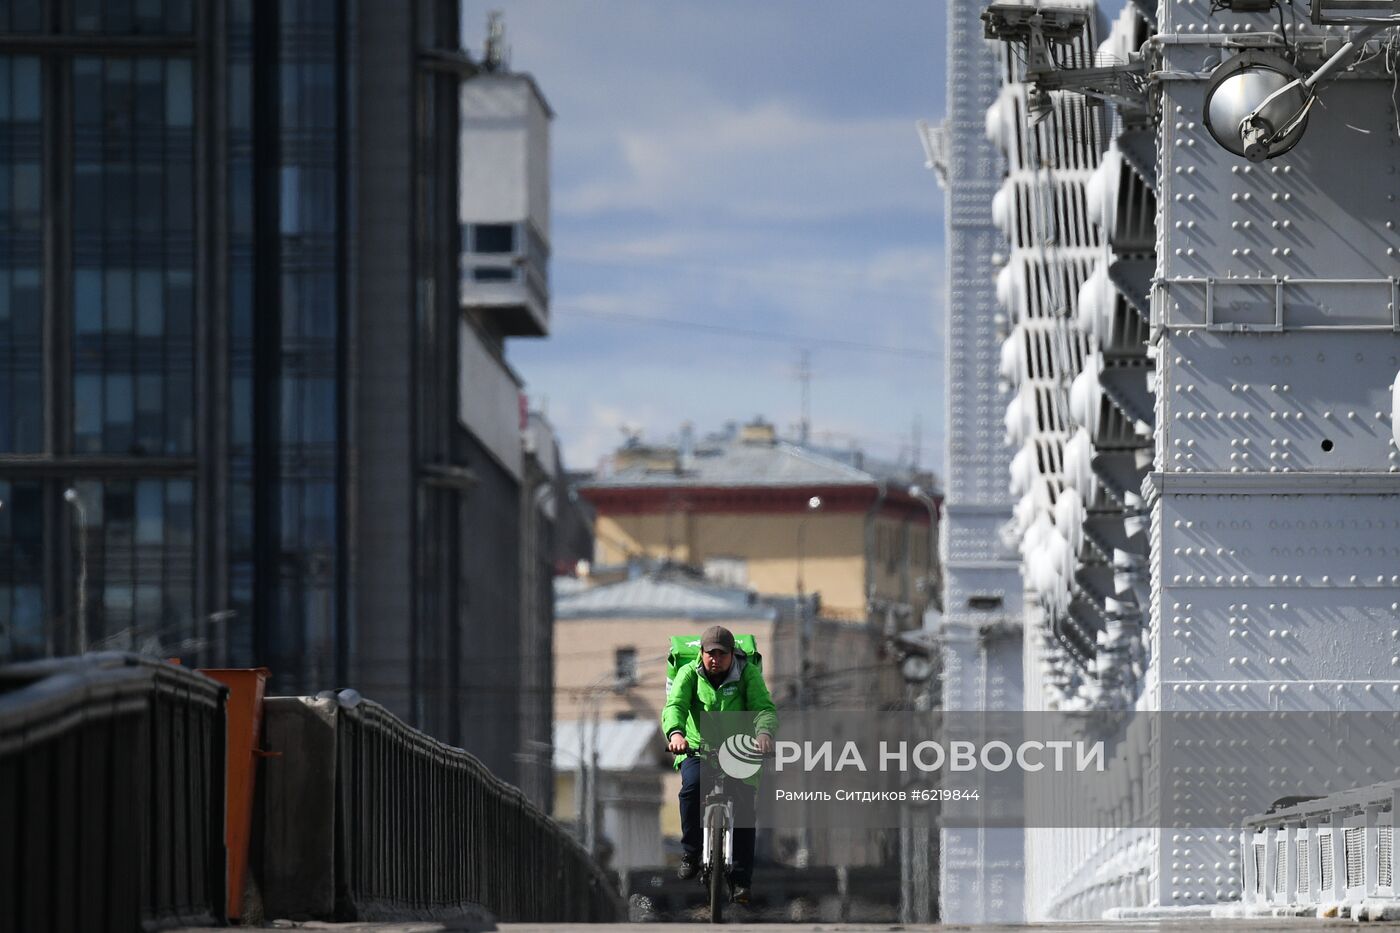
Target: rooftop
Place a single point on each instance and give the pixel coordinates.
(658, 596)
(732, 463)
(623, 745)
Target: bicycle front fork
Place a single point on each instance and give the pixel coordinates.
(728, 810)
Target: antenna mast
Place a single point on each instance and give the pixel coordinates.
(804, 376)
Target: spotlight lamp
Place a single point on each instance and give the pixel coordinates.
(1257, 104)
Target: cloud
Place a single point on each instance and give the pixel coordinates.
(766, 163)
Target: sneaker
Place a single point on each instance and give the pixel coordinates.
(689, 868)
(740, 894)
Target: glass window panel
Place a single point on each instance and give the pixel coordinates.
(150, 412)
(24, 92)
(116, 104)
(7, 646)
(292, 288)
(241, 304)
(241, 198)
(179, 110)
(240, 97)
(87, 301)
(179, 16)
(241, 428)
(318, 411)
(290, 200)
(179, 303)
(119, 509)
(179, 196)
(493, 238)
(27, 616)
(289, 398)
(150, 95)
(241, 523)
(319, 319)
(4, 304)
(87, 413)
(117, 600)
(291, 85)
(119, 410)
(320, 108)
(291, 514)
(28, 412)
(118, 16)
(150, 511)
(118, 190)
(149, 183)
(179, 513)
(118, 301)
(318, 515)
(87, 92)
(148, 606)
(6, 187)
(87, 15)
(26, 306)
(150, 303)
(5, 88)
(87, 198)
(149, 16)
(179, 412)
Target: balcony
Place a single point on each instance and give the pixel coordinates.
(504, 275)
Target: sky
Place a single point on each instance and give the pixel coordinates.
(751, 168)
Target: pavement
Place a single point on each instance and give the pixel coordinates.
(1184, 925)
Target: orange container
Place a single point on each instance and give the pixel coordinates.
(245, 703)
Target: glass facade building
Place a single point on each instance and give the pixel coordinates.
(229, 368)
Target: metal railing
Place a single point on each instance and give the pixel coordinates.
(111, 795)
(418, 828)
(1339, 849)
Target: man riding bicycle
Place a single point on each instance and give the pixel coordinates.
(720, 680)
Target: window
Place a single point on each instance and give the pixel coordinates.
(625, 666)
(493, 274)
(729, 571)
(493, 238)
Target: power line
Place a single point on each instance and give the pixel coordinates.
(791, 339)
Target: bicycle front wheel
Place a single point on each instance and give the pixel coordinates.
(714, 861)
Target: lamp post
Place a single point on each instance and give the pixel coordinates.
(804, 636)
(70, 495)
(804, 633)
(917, 492)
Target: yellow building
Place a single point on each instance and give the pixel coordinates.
(776, 518)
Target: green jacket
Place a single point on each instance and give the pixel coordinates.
(692, 693)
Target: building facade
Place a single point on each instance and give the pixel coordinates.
(777, 518)
(234, 423)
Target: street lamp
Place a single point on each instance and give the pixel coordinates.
(70, 495)
(917, 492)
(803, 628)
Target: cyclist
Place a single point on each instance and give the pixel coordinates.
(720, 680)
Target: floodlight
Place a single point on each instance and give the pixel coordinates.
(1256, 106)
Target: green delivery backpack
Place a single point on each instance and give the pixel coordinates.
(686, 648)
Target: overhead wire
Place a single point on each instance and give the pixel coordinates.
(794, 339)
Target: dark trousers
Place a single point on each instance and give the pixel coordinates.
(696, 781)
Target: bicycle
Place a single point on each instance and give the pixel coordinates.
(717, 847)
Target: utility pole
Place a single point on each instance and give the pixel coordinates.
(804, 376)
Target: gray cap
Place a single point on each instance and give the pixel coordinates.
(717, 636)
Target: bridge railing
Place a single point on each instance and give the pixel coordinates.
(1338, 849)
(111, 795)
(366, 818)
